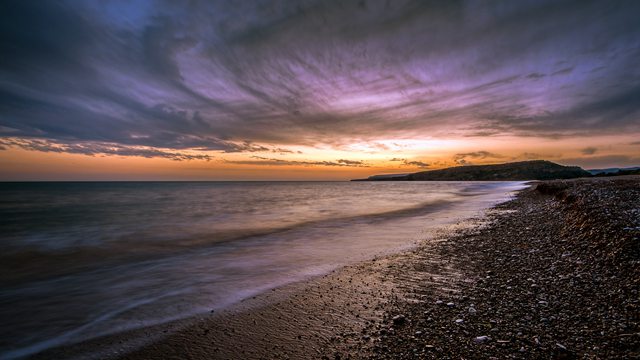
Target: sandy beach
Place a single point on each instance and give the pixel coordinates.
(554, 273)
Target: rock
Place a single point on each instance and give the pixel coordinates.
(561, 352)
(398, 319)
(481, 339)
(439, 302)
(459, 321)
(450, 304)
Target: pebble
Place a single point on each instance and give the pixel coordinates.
(576, 287)
(481, 339)
(398, 319)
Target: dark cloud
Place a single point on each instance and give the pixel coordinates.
(590, 150)
(535, 76)
(266, 161)
(246, 146)
(564, 71)
(609, 114)
(405, 162)
(255, 77)
(93, 149)
(283, 151)
(420, 164)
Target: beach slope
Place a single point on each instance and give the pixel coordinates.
(554, 273)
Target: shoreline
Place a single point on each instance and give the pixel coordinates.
(395, 306)
(314, 313)
(555, 273)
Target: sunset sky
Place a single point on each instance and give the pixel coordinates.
(313, 90)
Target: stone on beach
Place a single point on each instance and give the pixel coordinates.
(481, 339)
(398, 319)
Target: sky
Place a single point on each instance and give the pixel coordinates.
(313, 90)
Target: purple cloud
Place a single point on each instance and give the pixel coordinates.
(231, 77)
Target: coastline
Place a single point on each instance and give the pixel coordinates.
(331, 311)
(521, 267)
(555, 273)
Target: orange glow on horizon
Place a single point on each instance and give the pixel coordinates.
(355, 160)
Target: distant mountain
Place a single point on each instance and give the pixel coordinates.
(524, 170)
(385, 176)
(614, 171)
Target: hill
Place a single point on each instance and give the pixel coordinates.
(524, 170)
(615, 171)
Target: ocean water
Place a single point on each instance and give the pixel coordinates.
(81, 260)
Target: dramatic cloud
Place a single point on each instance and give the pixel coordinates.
(262, 76)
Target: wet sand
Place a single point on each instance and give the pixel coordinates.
(325, 316)
(554, 273)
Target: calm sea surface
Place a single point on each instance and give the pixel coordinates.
(80, 260)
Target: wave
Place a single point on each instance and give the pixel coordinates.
(34, 264)
(65, 337)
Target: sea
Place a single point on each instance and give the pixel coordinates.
(81, 260)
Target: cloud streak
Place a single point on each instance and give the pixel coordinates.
(265, 161)
(415, 163)
(94, 149)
